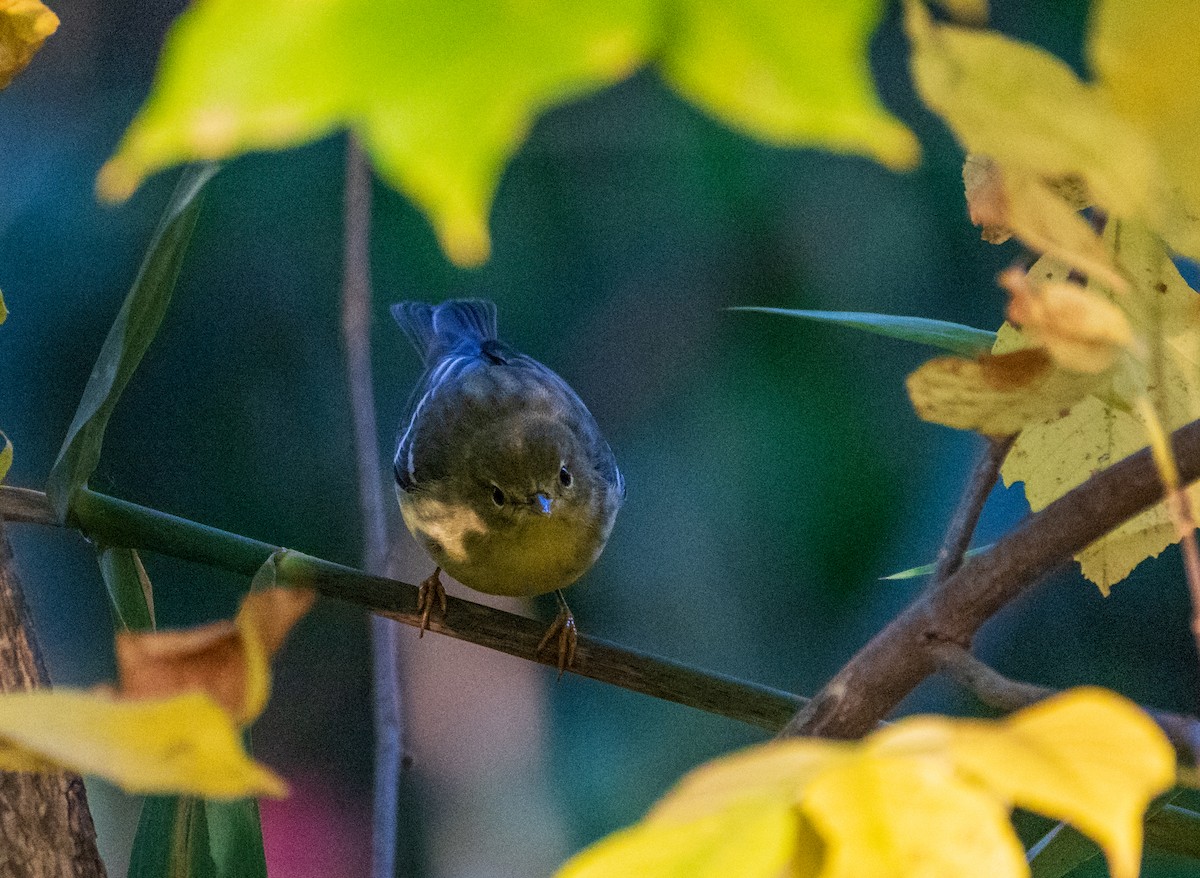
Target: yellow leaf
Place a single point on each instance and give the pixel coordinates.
(756, 838)
(927, 797)
(3, 309)
(1053, 457)
(1027, 110)
(778, 770)
(973, 12)
(1010, 201)
(1088, 757)
(230, 661)
(24, 26)
(787, 78)
(440, 94)
(6, 456)
(884, 815)
(997, 395)
(1081, 330)
(185, 744)
(1147, 60)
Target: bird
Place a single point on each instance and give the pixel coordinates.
(502, 473)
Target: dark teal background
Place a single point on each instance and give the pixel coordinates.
(775, 468)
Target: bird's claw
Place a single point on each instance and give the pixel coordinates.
(562, 628)
(430, 592)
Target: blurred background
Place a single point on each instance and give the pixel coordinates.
(775, 468)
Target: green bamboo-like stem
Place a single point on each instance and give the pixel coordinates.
(115, 522)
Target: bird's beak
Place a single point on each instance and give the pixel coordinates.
(542, 502)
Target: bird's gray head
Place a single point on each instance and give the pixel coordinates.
(529, 467)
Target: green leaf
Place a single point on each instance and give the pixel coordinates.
(926, 569)
(953, 337)
(443, 94)
(3, 309)
(1169, 828)
(184, 837)
(131, 333)
(1061, 850)
(786, 76)
(129, 591)
(1174, 830)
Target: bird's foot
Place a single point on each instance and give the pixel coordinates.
(562, 630)
(430, 592)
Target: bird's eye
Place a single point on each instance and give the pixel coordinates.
(564, 476)
(497, 496)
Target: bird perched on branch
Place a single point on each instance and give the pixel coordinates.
(502, 473)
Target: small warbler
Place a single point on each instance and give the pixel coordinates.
(501, 472)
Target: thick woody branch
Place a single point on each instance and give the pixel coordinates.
(897, 659)
(45, 825)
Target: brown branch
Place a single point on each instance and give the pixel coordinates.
(356, 337)
(998, 691)
(970, 507)
(45, 824)
(897, 659)
(861, 694)
(120, 522)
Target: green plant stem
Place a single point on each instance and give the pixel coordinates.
(120, 523)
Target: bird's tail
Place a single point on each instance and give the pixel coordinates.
(435, 330)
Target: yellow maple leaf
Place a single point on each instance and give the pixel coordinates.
(185, 744)
(229, 660)
(995, 394)
(172, 724)
(928, 796)
(1055, 456)
(1147, 61)
(24, 26)
(1056, 758)
(886, 815)
(1028, 110)
(6, 456)
(750, 839)
(1080, 329)
(1043, 214)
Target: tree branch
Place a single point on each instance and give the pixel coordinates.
(45, 824)
(891, 665)
(861, 694)
(119, 522)
(970, 507)
(998, 691)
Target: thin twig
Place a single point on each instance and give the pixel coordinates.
(862, 693)
(108, 519)
(356, 336)
(970, 506)
(998, 691)
(896, 659)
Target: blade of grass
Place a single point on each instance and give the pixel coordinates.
(926, 569)
(131, 334)
(953, 337)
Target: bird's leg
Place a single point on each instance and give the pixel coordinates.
(562, 628)
(430, 592)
